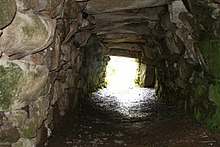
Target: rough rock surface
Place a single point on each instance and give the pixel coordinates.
(54, 52)
(43, 73)
(27, 33)
(99, 6)
(7, 12)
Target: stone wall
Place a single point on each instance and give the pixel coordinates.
(45, 66)
(186, 58)
(50, 60)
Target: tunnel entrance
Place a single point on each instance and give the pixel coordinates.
(124, 94)
(121, 73)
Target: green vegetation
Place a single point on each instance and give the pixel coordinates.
(211, 51)
(29, 130)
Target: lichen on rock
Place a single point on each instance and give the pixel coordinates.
(28, 33)
(10, 75)
(19, 83)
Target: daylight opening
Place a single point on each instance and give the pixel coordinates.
(121, 73)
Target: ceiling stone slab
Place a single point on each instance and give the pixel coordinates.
(129, 38)
(151, 14)
(125, 53)
(137, 28)
(103, 26)
(102, 6)
(123, 28)
(125, 46)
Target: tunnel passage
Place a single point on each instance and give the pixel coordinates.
(53, 53)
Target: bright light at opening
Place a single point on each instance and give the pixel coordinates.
(121, 73)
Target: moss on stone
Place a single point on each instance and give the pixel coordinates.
(29, 130)
(211, 51)
(2, 11)
(214, 122)
(7, 11)
(29, 30)
(198, 115)
(9, 78)
(37, 25)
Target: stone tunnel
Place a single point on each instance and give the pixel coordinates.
(54, 53)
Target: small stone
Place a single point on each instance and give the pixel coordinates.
(42, 136)
(71, 9)
(53, 53)
(1, 119)
(81, 38)
(9, 135)
(34, 58)
(118, 141)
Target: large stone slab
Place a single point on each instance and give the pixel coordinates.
(28, 33)
(7, 12)
(126, 27)
(50, 7)
(100, 6)
(126, 46)
(123, 38)
(124, 53)
(20, 82)
(146, 13)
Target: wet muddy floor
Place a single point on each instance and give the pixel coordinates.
(131, 118)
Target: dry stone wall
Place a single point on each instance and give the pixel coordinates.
(186, 58)
(46, 51)
(50, 58)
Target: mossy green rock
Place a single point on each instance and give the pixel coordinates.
(7, 12)
(214, 122)
(20, 82)
(10, 75)
(211, 51)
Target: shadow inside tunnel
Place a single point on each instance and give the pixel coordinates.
(132, 117)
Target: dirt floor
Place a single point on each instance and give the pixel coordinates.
(131, 118)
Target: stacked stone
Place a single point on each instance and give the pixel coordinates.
(187, 56)
(206, 25)
(95, 60)
(43, 50)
